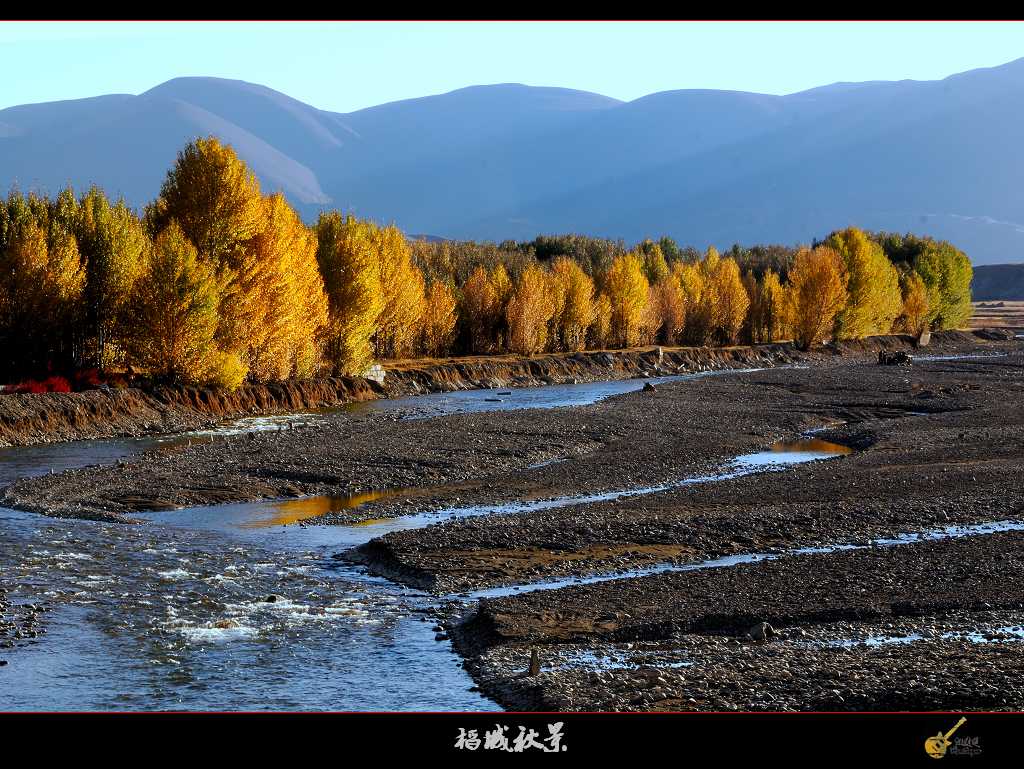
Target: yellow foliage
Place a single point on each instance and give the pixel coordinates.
(577, 303)
(817, 292)
(529, 311)
(215, 199)
(627, 289)
(668, 304)
(769, 309)
(347, 256)
(175, 311)
(403, 289)
(916, 308)
(480, 307)
(599, 333)
(285, 310)
(874, 298)
(439, 319)
(731, 300)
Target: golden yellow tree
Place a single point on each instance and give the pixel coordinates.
(503, 287)
(731, 300)
(626, 288)
(817, 292)
(287, 309)
(698, 321)
(347, 256)
(577, 305)
(41, 286)
(668, 302)
(439, 320)
(214, 197)
(915, 315)
(479, 309)
(529, 311)
(114, 247)
(403, 288)
(874, 298)
(175, 310)
(599, 333)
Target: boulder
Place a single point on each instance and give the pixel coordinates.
(762, 631)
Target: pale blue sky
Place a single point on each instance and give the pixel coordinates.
(347, 66)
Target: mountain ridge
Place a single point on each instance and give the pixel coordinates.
(511, 160)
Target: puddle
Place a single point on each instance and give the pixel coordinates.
(269, 519)
(292, 511)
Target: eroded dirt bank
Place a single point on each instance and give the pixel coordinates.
(646, 438)
(29, 419)
(48, 417)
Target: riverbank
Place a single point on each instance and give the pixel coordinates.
(604, 446)
(933, 444)
(27, 419)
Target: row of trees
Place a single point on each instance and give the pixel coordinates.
(216, 282)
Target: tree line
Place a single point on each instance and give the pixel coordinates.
(217, 283)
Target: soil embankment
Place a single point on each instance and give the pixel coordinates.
(27, 419)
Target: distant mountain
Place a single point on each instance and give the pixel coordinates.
(512, 161)
(998, 282)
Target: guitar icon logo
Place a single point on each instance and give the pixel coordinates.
(936, 746)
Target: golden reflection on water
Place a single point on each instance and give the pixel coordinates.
(293, 510)
(815, 445)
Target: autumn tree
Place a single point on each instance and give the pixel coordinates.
(439, 319)
(599, 333)
(914, 318)
(577, 304)
(287, 311)
(501, 283)
(114, 245)
(480, 306)
(768, 315)
(817, 293)
(215, 199)
(874, 299)
(403, 290)
(945, 270)
(529, 311)
(730, 298)
(947, 273)
(347, 256)
(668, 304)
(175, 309)
(699, 311)
(626, 288)
(41, 284)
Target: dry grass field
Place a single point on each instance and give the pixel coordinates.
(998, 315)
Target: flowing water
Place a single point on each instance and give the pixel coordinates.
(230, 607)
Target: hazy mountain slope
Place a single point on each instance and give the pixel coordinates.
(510, 160)
(998, 282)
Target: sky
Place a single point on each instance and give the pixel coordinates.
(345, 66)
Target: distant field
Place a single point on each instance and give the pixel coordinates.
(998, 314)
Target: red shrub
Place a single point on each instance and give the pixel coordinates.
(55, 384)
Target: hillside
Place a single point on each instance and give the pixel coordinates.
(511, 161)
